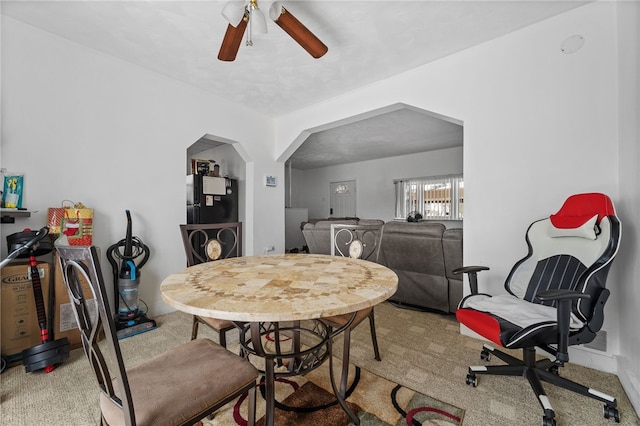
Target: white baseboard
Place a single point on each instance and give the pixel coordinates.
(630, 382)
(592, 358)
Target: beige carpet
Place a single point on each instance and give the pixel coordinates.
(422, 351)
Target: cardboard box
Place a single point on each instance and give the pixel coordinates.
(20, 329)
(65, 324)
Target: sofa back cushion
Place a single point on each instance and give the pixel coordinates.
(412, 246)
(371, 222)
(318, 235)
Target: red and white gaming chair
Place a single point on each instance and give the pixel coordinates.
(555, 298)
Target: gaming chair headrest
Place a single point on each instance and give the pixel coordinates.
(578, 209)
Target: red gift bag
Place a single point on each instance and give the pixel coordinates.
(75, 222)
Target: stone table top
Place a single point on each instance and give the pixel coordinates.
(283, 287)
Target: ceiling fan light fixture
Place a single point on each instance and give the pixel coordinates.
(256, 18)
(297, 30)
(233, 12)
(247, 18)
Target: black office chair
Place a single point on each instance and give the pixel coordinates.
(204, 242)
(555, 298)
(178, 387)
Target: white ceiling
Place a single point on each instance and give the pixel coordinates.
(368, 41)
(396, 130)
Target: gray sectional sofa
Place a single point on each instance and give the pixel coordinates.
(317, 233)
(422, 254)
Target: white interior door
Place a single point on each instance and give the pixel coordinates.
(342, 201)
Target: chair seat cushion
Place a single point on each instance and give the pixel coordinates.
(517, 311)
(508, 320)
(340, 320)
(181, 384)
(215, 323)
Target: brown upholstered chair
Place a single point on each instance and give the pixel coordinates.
(205, 242)
(179, 387)
(360, 242)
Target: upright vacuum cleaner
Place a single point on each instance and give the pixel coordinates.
(129, 319)
(49, 353)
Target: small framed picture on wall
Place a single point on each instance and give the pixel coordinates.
(270, 180)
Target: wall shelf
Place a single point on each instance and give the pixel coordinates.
(9, 215)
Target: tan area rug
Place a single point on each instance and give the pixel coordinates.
(309, 400)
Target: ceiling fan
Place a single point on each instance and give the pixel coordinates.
(241, 15)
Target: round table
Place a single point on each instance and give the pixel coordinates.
(256, 290)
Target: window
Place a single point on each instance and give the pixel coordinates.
(436, 197)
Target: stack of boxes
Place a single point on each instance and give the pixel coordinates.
(19, 319)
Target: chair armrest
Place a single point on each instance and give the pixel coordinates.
(472, 272)
(559, 295)
(469, 269)
(564, 298)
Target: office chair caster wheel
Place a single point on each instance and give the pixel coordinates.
(554, 370)
(472, 380)
(485, 355)
(611, 412)
(548, 421)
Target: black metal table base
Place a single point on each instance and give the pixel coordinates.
(314, 335)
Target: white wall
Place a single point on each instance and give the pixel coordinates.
(87, 127)
(629, 205)
(294, 191)
(375, 192)
(538, 126)
(230, 162)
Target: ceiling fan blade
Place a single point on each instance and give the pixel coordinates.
(232, 40)
(297, 30)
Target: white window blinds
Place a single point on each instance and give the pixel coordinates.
(437, 197)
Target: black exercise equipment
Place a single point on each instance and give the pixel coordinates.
(47, 355)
